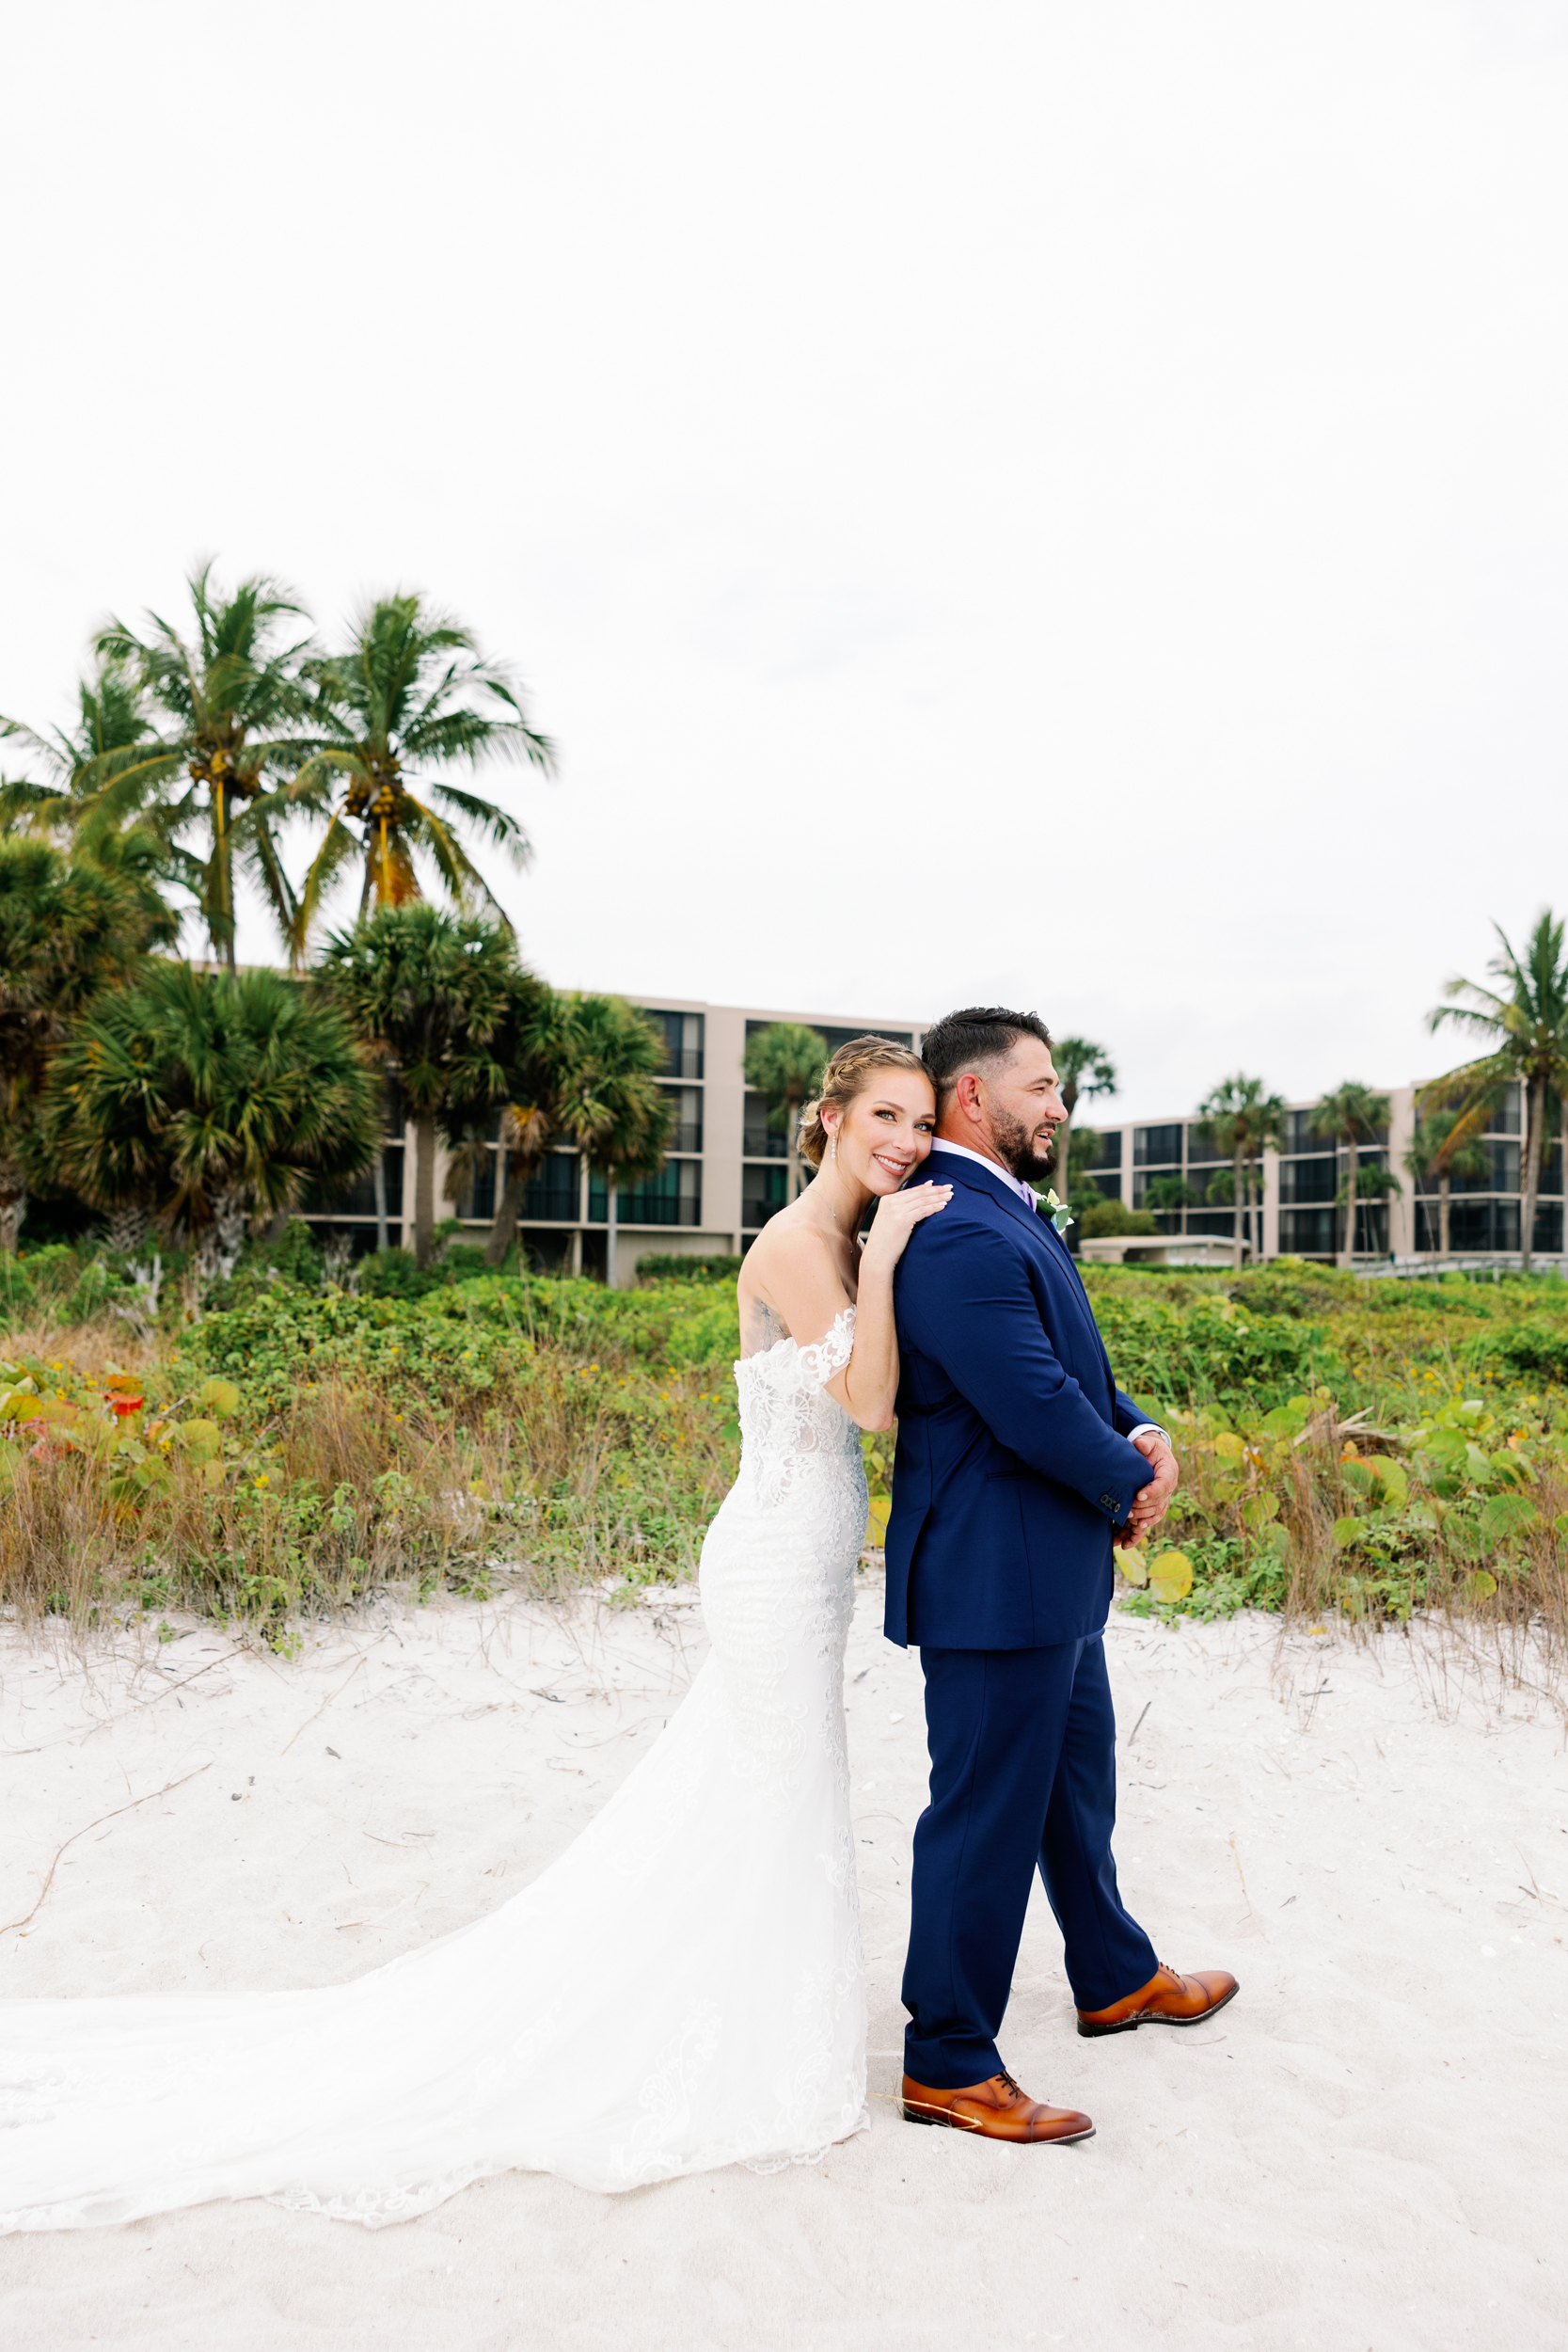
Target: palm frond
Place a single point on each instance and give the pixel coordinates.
(496, 824)
(458, 870)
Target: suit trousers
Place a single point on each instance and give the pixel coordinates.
(1022, 1746)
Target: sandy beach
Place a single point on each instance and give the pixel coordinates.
(1368, 2149)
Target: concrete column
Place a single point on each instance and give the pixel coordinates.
(1127, 1167)
(723, 1119)
(444, 1208)
(403, 1234)
(1401, 1205)
(1271, 1203)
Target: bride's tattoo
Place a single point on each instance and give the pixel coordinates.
(762, 1327)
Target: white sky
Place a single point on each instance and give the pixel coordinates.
(1052, 503)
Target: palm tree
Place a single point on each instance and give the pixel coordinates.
(1350, 1113)
(429, 991)
(533, 1047)
(210, 1099)
(112, 734)
(1446, 1144)
(1083, 1069)
(402, 697)
(1082, 1152)
(611, 1102)
(1168, 1194)
(1245, 1121)
(111, 731)
(68, 927)
(1526, 1024)
(223, 759)
(785, 1061)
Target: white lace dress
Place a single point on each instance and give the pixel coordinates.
(683, 1988)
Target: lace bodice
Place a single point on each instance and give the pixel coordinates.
(791, 1427)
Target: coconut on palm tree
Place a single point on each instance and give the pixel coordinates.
(1245, 1121)
(223, 746)
(70, 928)
(1525, 1023)
(1349, 1115)
(610, 1103)
(429, 991)
(785, 1061)
(211, 1099)
(1446, 1144)
(408, 702)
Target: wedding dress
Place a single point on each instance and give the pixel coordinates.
(683, 1988)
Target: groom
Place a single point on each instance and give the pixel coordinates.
(1019, 1463)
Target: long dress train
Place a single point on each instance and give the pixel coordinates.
(683, 1988)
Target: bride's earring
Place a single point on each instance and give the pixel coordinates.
(833, 1145)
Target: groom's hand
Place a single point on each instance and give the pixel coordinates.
(1151, 1504)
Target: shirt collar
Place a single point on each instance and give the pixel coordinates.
(1004, 1175)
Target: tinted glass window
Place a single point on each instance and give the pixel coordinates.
(1155, 1147)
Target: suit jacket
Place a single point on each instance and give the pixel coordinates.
(1013, 1463)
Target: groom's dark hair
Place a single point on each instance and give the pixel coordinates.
(967, 1039)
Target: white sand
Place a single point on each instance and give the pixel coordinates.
(1366, 2149)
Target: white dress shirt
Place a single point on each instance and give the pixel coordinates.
(1027, 1194)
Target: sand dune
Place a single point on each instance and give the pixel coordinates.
(1367, 2149)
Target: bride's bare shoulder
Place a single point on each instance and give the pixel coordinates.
(787, 1285)
(787, 1250)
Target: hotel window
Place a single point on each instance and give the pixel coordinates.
(550, 1194)
(1157, 1146)
(1314, 1179)
(359, 1199)
(682, 1033)
(673, 1197)
(1299, 1136)
(759, 1142)
(687, 1132)
(762, 1194)
(1102, 1171)
(1308, 1232)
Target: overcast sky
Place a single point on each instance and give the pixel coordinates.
(1057, 505)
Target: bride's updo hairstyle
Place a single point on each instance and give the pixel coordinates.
(850, 1071)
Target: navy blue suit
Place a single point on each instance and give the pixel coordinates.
(1013, 1468)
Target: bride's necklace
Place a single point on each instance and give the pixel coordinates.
(833, 1212)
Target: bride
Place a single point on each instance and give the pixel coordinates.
(685, 1987)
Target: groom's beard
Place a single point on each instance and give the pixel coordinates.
(1020, 1149)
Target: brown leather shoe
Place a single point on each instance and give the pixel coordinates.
(996, 2109)
(1167, 1999)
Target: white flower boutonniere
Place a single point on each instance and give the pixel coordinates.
(1058, 1211)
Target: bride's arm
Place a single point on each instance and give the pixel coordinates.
(803, 1283)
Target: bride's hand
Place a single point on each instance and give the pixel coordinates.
(897, 1215)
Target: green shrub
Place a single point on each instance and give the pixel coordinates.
(671, 1267)
(1534, 1346)
(1103, 1217)
(393, 1273)
(1207, 1348)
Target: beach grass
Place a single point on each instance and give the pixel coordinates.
(1365, 1452)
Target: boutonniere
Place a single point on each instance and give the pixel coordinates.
(1058, 1211)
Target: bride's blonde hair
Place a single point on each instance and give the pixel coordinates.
(848, 1074)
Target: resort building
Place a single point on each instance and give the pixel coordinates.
(725, 1173)
(722, 1179)
(1174, 1168)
